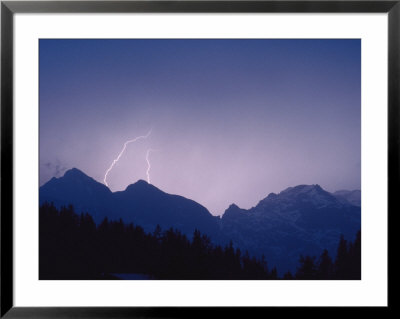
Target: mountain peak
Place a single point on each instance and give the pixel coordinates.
(141, 185)
(313, 195)
(272, 195)
(74, 179)
(75, 175)
(233, 206)
(74, 172)
(233, 210)
(302, 189)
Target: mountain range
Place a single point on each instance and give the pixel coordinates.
(304, 219)
(299, 220)
(140, 203)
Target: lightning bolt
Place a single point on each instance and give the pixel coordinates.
(122, 152)
(148, 164)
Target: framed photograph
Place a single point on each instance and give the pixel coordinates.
(158, 156)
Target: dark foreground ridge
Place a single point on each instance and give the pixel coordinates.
(73, 247)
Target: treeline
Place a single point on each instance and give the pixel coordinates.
(347, 264)
(71, 246)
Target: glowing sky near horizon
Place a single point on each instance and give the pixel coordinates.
(232, 120)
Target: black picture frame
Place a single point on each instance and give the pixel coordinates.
(9, 8)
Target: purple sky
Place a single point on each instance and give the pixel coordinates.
(231, 120)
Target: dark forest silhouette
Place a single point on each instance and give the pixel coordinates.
(71, 246)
